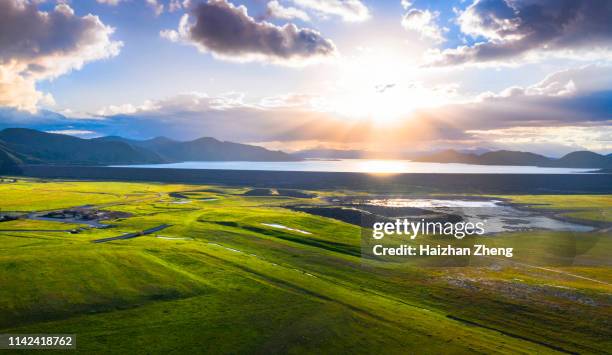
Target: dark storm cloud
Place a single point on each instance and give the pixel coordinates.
(516, 27)
(228, 31)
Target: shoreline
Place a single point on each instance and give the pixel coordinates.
(374, 183)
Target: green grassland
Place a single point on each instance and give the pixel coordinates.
(589, 207)
(220, 281)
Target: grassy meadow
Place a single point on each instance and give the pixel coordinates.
(222, 280)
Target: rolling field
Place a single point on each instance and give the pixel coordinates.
(235, 273)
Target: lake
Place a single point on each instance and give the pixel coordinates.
(365, 166)
(499, 216)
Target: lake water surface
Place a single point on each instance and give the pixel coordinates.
(498, 216)
(365, 166)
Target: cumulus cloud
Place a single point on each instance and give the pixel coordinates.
(37, 45)
(291, 100)
(174, 5)
(156, 6)
(277, 10)
(588, 78)
(513, 29)
(347, 10)
(423, 22)
(549, 140)
(186, 102)
(227, 31)
(565, 98)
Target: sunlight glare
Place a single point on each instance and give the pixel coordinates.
(381, 85)
(382, 166)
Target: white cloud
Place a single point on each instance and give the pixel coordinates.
(588, 78)
(406, 4)
(347, 10)
(292, 100)
(73, 132)
(562, 140)
(573, 81)
(186, 102)
(38, 45)
(157, 7)
(109, 2)
(116, 110)
(275, 9)
(174, 5)
(423, 22)
(567, 98)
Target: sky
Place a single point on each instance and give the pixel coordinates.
(392, 75)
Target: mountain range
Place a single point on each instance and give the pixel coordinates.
(327, 153)
(201, 149)
(27, 146)
(20, 146)
(578, 159)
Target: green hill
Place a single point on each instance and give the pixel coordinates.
(9, 164)
(40, 147)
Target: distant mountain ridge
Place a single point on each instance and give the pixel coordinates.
(326, 153)
(20, 146)
(579, 159)
(203, 149)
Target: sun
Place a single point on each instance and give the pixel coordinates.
(382, 86)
